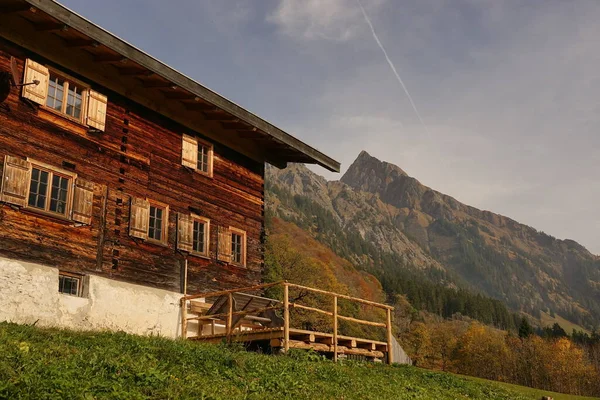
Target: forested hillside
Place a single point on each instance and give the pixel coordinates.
(458, 307)
(446, 257)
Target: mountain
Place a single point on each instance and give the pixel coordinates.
(389, 224)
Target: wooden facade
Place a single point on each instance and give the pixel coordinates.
(133, 157)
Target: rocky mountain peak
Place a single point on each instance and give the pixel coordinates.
(370, 174)
(390, 182)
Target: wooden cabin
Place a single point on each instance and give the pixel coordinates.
(124, 183)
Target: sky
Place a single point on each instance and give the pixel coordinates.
(508, 92)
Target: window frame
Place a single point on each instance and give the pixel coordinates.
(210, 148)
(206, 222)
(242, 233)
(70, 176)
(80, 283)
(54, 73)
(165, 223)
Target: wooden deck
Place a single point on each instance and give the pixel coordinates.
(302, 339)
(239, 316)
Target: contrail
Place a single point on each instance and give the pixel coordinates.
(391, 64)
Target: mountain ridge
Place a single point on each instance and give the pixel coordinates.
(434, 233)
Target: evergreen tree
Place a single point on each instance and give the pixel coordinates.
(525, 329)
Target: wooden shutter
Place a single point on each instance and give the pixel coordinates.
(36, 72)
(83, 201)
(139, 218)
(224, 251)
(96, 110)
(185, 232)
(189, 152)
(15, 181)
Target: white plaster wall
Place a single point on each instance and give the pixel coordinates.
(29, 293)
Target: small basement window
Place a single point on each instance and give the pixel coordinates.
(70, 284)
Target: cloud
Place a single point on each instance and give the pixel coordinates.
(510, 94)
(334, 20)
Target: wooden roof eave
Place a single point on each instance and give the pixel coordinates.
(125, 51)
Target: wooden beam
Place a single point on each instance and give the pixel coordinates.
(222, 292)
(342, 296)
(158, 84)
(134, 72)
(250, 134)
(178, 95)
(197, 106)
(390, 353)
(318, 310)
(183, 304)
(110, 58)
(17, 8)
(286, 318)
(234, 125)
(229, 315)
(221, 117)
(335, 328)
(350, 342)
(362, 321)
(81, 43)
(51, 26)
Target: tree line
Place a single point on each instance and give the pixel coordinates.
(555, 362)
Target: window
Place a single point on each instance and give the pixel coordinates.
(199, 244)
(193, 234)
(149, 220)
(49, 190)
(203, 158)
(65, 96)
(238, 246)
(69, 284)
(157, 221)
(197, 154)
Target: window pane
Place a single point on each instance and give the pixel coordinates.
(74, 101)
(156, 223)
(68, 285)
(38, 188)
(55, 93)
(59, 192)
(203, 154)
(236, 247)
(199, 244)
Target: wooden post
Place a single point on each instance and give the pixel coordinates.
(183, 318)
(229, 316)
(335, 328)
(390, 353)
(286, 317)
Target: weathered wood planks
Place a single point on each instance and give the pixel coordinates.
(139, 154)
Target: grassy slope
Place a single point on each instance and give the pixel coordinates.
(55, 364)
(568, 326)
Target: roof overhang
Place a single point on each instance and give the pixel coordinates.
(62, 36)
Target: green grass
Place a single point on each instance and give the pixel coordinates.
(40, 363)
(531, 393)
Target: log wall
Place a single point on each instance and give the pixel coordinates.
(138, 155)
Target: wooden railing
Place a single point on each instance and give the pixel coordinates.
(286, 305)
